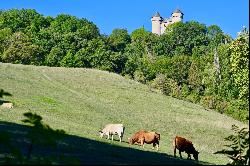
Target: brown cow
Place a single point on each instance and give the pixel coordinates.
(143, 136)
(184, 145)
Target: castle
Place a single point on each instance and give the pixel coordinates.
(159, 24)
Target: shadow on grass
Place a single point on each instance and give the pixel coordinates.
(78, 150)
(3, 101)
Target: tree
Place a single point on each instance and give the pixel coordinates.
(133, 53)
(68, 60)
(64, 23)
(119, 38)
(209, 80)
(239, 61)
(244, 33)
(226, 89)
(144, 41)
(55, 56)
(215, 35)
(194, 75)
(185, 36)
(20, 49)
(19, 20)
(5, 33)
(239, 147)
(178, 68)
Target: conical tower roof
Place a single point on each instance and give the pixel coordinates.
(177, 11)
(157, 14)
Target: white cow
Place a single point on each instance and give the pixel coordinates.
(7, 105)
(112, 129)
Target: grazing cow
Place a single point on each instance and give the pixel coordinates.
(143, 136)
(7, 105)
(184, 145)
(112, 129)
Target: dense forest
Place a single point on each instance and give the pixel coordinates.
(191, 61)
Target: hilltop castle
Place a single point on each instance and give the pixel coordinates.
(159, 24)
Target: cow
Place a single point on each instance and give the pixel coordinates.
(184, 145)
(112, 129)
(147, 137)
(7, 105)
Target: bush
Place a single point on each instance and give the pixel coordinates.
(239, 147)
(193, 97)
(173, 86)
(238, 109)
(185, 91)
(167, 86)
(208, 102)
(139, 76)
(222, 106)
(160, 83)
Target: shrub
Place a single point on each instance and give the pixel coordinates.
(139, 76)
(174, 88)
(238, 109)
(166, 85)
(160, 83)
(193, 97)
(208, 102)
(239, 147)
(222, 106)
(185, 91)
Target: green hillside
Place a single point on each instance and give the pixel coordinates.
(81, 101)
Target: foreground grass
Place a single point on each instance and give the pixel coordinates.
(82, 101)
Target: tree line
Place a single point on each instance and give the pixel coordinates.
(190, 61)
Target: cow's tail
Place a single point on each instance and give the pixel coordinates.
(123, 130)
(174, 142)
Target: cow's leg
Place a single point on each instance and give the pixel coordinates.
(158, 145)
(175, 151)
(120, 137)
(189, 156)
(108, 135)
(142, 142)
(112, 136)
(180, 153)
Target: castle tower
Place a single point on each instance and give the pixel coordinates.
(177, 16)
(156, 23)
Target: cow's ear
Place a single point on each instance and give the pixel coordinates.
(100, 131)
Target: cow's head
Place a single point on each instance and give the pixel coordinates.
(195, 154)
(157, 136)
(130, 141)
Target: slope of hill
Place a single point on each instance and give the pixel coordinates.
(82, 101)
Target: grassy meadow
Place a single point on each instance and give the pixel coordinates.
(82, 101)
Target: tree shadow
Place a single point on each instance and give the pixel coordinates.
(78, 151)
(4, 101)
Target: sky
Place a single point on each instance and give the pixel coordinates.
(229, 15)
